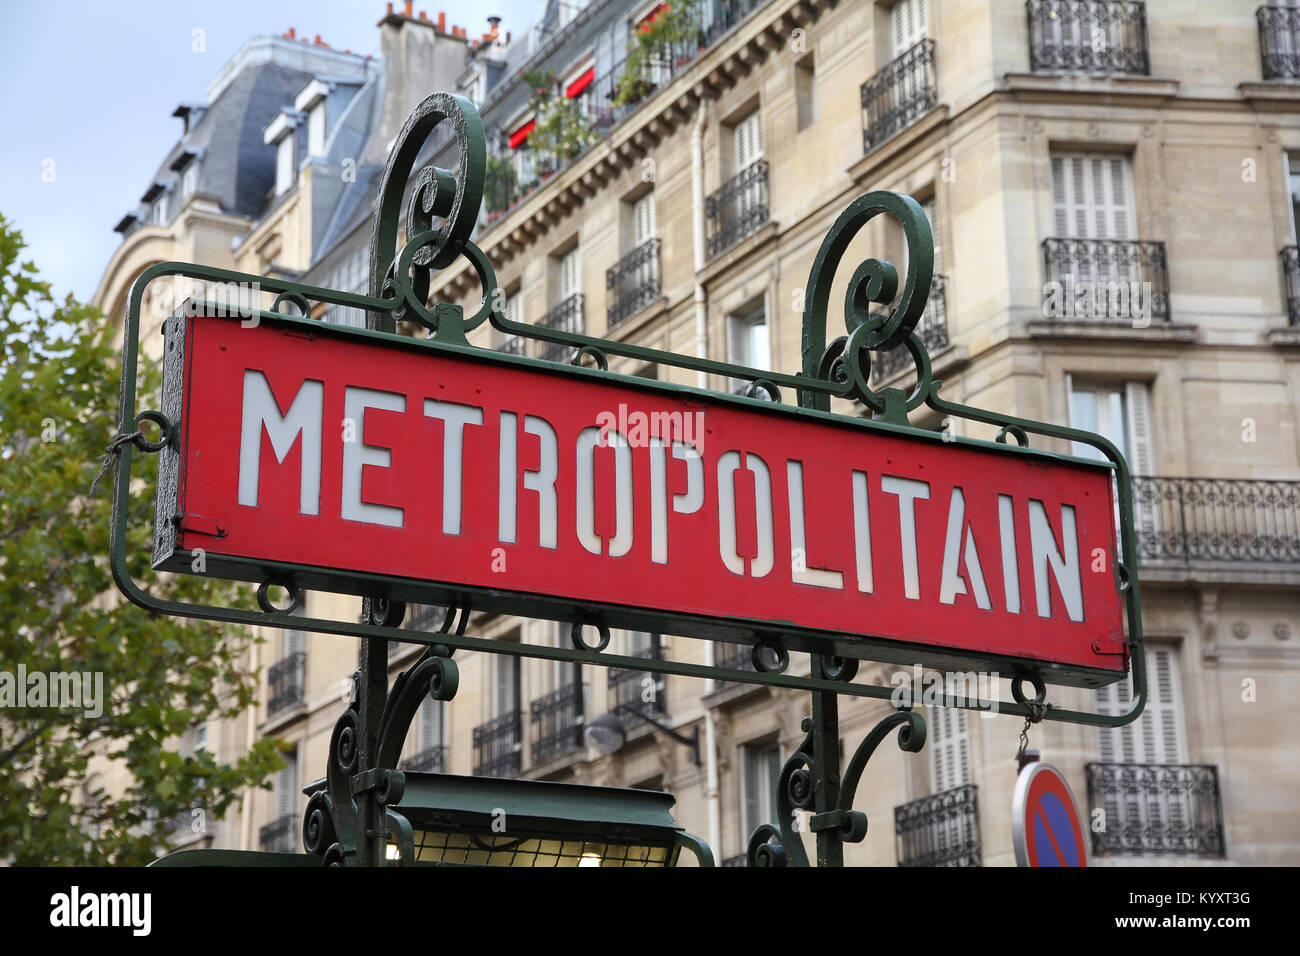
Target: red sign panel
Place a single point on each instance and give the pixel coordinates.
(348, 462)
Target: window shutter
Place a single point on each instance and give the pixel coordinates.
(643, 219)
(749, 141)
(950, 749)
(569, 269)
(752, 808)
(286, 786)
(505, 691)
(295, 642)
(515, 306)
(1157, 736)
(430, 724)
(932, 214)
(1092, 196)
(908, 24)
(1141, 448)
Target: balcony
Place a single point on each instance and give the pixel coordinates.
(899, 95)
(740, 859)
(932, 329)
(635, 691)
(939, 830)
(736, 657)
(565, 317)
(557, 721)
(1088, 36)
(1202, 520)
(498, 745)
(1291, 281)
(1106, 281)
(279, 836)
(739, 209)
(1279, 42)
(512, 345)
(285, 682)
(1156, 809)
(633, 283)
(428, 760)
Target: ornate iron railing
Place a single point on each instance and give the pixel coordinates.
(567, 317)
(557, 720)
(1279, 42)
(1160, 809)
(940, 830)
(498, 745)
(280, 835)
(633, 283)
(736, 657)
(428, 760)
(1291, 281)
(1192, 520)
(1121, 281)
(739, 859)
(899, 95)
(933, 329)
(1092, 36)
(630, 689)
(512, 345)
(738, 209)
(285, 682)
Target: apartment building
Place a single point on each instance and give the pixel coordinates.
(1110, 189)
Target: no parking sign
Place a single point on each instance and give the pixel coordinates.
(1046, 830)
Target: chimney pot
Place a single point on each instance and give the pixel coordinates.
(292, 35)
(407, 12)
(442, 22)
(390, 8)
(424, 16)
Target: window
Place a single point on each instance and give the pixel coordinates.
(747, 342)
(1120, 413)
(805, 92)
(429, 724)
(201, 736)
(190, 179)
(1092, 196)
(643, 219)
(286, 787)
(316, 130)
(907, 24)
(1159, 735)
(284, 160)
(505, 685)
(158, 214)
(748, 141)
(760, 769)
(949, 749)
(570, 274)
(1293, 187)
(350, 276)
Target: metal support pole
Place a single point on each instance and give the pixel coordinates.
(826, 761)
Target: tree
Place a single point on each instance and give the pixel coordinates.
(160, 676)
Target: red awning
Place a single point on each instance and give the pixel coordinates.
(649, 18)
(581, 83)
(518, 136)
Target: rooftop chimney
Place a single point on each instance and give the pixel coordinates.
(442, 22)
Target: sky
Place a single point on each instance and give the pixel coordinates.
(87, 89)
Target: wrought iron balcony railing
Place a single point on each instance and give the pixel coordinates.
(1279, 42)
(512, 345)
(557, 720)
(633, 283)
(939, 830)
(1090, 36)
(285, 681)
(565, 317)
(1196, 520)
(643, 691)
(1291, 281)
(739, 209)
(1112, 281)
(1158, 809)
(280, 835)
(899, 95)
(740, 859)
(428, 760)
(932, 328)
(498, 745)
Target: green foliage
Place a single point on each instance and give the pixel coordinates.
(673, 28)
(564, 130)
(160, 676)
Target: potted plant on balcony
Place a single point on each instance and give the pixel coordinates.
(500, 186)
(563, 129)
(669, 29)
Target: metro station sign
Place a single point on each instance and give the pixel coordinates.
(353, 461)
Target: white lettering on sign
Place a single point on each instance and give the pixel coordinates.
(952, 583)
(728, 465)
(688, 502)
(1064, 563)
(588, 440)
(454, 418)
(305, 417)
(908, 490)
(357, 454)
(805, 574)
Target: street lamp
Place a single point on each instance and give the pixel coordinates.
(607, 735)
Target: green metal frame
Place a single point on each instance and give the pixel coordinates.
(369, 734)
